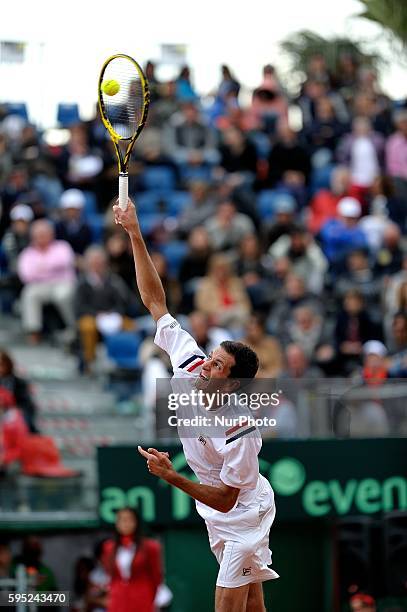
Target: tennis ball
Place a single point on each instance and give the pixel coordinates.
(110, 87)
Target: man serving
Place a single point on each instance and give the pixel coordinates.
(234, 499)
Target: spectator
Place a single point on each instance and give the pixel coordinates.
(289, 164)
(15, 240)
(79, 165)
(389, 257)
(268, 102)
(227, 228)
(13, 429)
(71, 227)
(237, 153)
(200, 209)
(222, 295)
(283, 221)
(359, 275)
(31, 558)
(46, 268)
(354, 327)
(325, 129)
(396, 154)
(206, 335)
(250, 268)
(383, 198)
(305, 256)
(187, 138)
(17, 184)
(184, 89)
(342, 235)
(19, 388)
(362, 151)
(397, 361)
(120, 258)
(226, 98)
(324, 204)
(82, 570)
(133, 564)
(170, 284)
(267, 348)
(293, 295)
(297, 366)
(315, 90)
(307, 330)
(153, 83)
(194, 265)
(98, 582)
(100, 298)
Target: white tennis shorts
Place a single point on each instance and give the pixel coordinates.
(240, 542)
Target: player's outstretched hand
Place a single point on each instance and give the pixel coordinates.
(158, 462)
(126, 218)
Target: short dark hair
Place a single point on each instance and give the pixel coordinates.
(246, 360)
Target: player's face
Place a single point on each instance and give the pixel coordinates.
(216, 367)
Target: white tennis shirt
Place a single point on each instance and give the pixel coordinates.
(226, 454)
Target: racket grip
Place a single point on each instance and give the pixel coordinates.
(123, 190)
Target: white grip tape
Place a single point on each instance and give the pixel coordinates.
(123, 190)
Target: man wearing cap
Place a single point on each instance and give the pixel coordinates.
(71, 227)
(343, 234)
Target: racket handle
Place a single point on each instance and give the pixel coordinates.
(123, 190)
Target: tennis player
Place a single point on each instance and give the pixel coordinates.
(234, 499)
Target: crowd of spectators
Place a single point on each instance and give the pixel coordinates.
(294, 239)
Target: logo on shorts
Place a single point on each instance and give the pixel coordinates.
(202, 440)
(247, 571)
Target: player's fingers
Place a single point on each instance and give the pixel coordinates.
(144, 453)
(155, 452)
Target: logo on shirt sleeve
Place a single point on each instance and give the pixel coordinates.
(239, 430)
(193, 362)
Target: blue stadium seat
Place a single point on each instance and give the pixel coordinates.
(149, 221)
(267, 199)
(321, 178)
(195, 173)
(67, 114)
(174, 252)
(177, 202)
(90, 208)
(17, 108)
(123, 349)
(148, 202)
(159, 179)
(97, 224)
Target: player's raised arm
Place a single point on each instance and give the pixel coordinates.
(148, 281)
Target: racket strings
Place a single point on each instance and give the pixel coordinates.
(124, 110)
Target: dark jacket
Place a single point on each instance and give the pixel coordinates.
(111, 296)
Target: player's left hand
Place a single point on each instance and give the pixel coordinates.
(158, 462)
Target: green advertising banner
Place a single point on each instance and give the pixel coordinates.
(311, 479)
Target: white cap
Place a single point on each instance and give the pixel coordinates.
(349, 207)
(72, 198)
(21, 212)
(374, 347)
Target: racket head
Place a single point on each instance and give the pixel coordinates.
(125, 113)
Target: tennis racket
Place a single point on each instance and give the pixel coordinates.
(124, 111)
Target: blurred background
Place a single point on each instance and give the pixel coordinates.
(271, 188)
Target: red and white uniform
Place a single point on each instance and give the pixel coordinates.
(239, 538)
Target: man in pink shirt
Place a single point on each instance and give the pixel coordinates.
(47, 269)
(396, 154)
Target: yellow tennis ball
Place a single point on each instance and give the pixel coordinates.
(110, 87)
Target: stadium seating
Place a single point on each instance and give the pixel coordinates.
(159, 179)
(122, 349)
(67, 114)
(17, 108)
(174, 252)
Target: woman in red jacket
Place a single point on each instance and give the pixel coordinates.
(134, 566)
